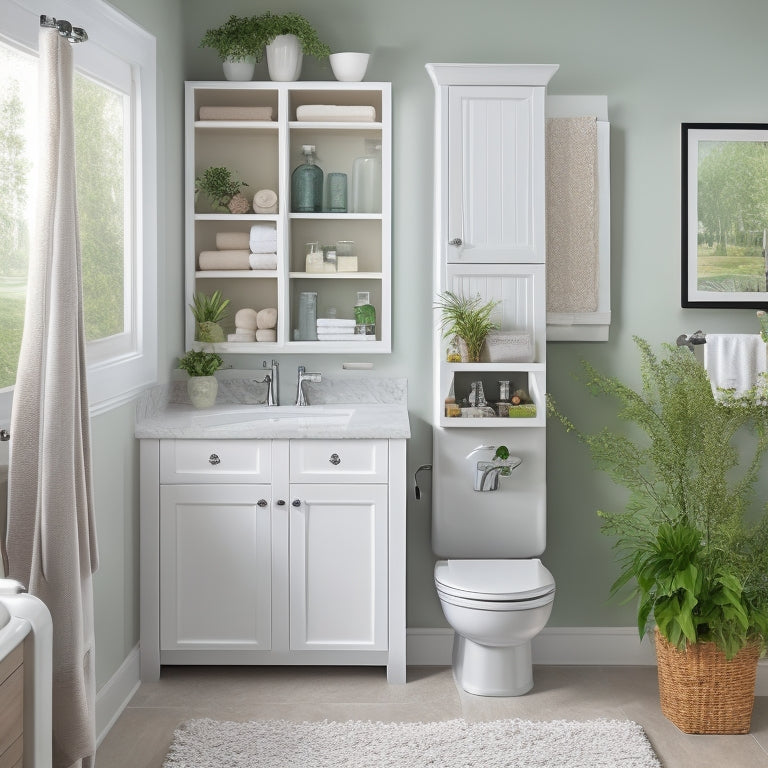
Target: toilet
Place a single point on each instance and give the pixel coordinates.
(495, 607)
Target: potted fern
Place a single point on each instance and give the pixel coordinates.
(237, 44)
(288, 37)
(202, 385)
(208, 312)
(690, 548)
(467, 318)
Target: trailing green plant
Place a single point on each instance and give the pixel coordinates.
(198, 362)
(208, 312)
(686, 543)
(237, 39)
(218, 185)
(270, 25)
(468, 318)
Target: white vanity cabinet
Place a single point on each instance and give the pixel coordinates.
(273, 552)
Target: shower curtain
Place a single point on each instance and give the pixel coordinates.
(51, 538)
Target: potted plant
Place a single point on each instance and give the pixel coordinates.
(208, 312)
(222, 190)
(690, 547)
(467, 318)
(288, 37)
(202, 385)
(237, 44)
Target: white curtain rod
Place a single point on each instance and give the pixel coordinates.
(73, 34)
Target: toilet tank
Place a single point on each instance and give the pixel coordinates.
(506, 523)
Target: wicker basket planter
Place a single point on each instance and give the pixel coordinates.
(703, 692)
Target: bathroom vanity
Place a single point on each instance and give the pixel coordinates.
(273, 535)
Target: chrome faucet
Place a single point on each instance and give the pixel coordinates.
(302, 377)
(273, 390)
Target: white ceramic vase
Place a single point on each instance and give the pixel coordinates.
(284, 58)
(239, 70)
(202, 390)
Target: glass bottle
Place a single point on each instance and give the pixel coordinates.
(366, 181)
(307, 184)
(365, 314)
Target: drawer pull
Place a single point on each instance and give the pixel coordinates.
(281, 502)
(296, 502)
(335, 460)
(214, 459)
(262, 502)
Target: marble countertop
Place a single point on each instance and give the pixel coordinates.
(347, 407)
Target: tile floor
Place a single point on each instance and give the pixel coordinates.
(141, 736)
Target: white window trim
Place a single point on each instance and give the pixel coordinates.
(119, 379)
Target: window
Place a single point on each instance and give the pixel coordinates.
(114, 105)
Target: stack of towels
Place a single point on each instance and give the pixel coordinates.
(256, 249)
(339, 329)
(251, 325)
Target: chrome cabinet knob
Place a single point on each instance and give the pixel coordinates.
(296, 502)
(335, 459)
(214, 459)
(281, 502)
(457, 241)
(262, 502)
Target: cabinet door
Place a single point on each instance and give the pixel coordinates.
(338, 567)
(215, 567)
(495, 174)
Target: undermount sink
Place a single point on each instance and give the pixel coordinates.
(308, 414)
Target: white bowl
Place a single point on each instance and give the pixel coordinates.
(349, 67)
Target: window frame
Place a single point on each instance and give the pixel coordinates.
(117, 372)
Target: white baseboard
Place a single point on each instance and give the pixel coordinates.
(559, 645)
(114, 695)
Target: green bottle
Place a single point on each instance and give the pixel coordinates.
(365, 314)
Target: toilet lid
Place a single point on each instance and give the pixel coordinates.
(494, 579)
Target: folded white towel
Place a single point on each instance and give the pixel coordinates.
(345, 337)
(266, 334)
(263, 260)
(336, 321)
(337, 113)
(233, 241)
(263, 238)
(235, 113)
(265, 201)
(241, 337)
(224, 260)
(734, 360)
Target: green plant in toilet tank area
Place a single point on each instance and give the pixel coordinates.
(691, 547)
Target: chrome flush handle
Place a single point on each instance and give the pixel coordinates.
(335, 460)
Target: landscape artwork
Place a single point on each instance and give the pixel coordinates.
(725, 215)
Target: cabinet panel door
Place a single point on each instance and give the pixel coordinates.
(338, 567)
(215, 567)
(495, 178)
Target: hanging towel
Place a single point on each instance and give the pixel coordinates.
(265, 201)
(235, 113)
(262, 260)
(734, 360)
(224, 260)
(572, 215)
(233, 241)
(263, 238)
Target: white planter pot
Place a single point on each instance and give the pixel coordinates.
(202, 390)
(239, 70)
(284, 57)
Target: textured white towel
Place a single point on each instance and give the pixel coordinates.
(335, 321)
(335, 113)
(345, 337)
(223, 260)
(734, 360)
(262, 260)
(233, 241)
(263, 238)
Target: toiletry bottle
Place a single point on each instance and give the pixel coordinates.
(365, 314)
(307, 184)
(366, 180)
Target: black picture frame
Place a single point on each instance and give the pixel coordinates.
(722, 227)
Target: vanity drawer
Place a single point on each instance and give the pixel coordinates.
(215, 461)
(333, 461)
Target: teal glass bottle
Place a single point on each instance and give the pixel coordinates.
(307, 184)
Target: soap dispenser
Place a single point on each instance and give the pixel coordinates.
(307, 184)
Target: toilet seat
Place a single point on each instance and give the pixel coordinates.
(526, 582)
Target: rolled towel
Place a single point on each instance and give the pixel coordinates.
(246, 319)
(240, 337)
(233, 241)
(235, 113)
(265, 201)
(263, 260)
(263, 238)
(266, 319)
(224, 260)
(266, 334)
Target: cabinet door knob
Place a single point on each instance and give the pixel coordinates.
(457, 241)
(262, 502)
(281, 502)
(335, 459)
(214, 459)
(296, 502)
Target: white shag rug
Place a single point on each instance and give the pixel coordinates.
(450, 744)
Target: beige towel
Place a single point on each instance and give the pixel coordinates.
(235, 113)
(266, 334)
(265, 201)
(572, 215)
(224, 260)
(232, 241)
